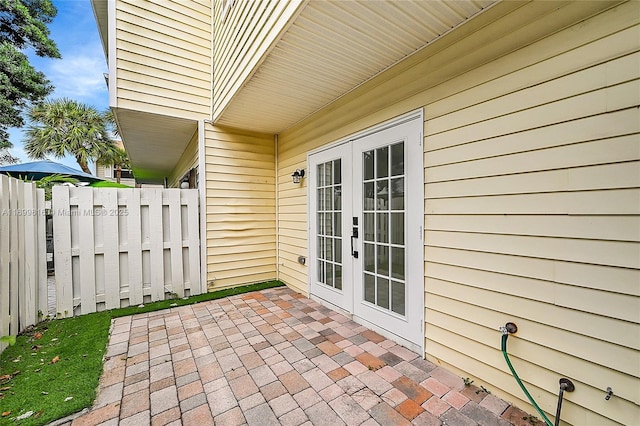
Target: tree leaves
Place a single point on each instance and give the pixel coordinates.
(62, 127)
(22, 25)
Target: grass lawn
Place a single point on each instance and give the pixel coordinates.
(53, 369)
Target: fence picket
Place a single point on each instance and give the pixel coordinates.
(29, 290)
(111, 247)
(62, 251)
(156, 243)
(5, 258)
(175, 242)
(86, 247)
(14, 271)
(41, 244)
(134, 247)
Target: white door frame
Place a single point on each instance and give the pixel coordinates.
(415, 205)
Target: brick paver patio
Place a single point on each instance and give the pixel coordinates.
(275, 357)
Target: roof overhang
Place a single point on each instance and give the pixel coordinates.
(330, 49)
(156, 142)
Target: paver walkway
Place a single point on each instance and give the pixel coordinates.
(275, 357)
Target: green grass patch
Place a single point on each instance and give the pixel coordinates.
(54, 367)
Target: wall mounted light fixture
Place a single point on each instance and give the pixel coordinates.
(297, 175)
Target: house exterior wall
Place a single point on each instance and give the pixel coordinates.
(532, 199)
(244, 32)
(163, 57)
(240, 207)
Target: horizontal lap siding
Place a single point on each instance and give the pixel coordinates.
(243, 35)
(533, 216)
(240, 207)
(532, 199)
(164, 57)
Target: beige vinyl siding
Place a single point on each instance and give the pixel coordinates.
(532, 198)
(188, 161)
(164, 57)
(240, 207)
(243, 35)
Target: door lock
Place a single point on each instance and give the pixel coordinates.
(354, 236)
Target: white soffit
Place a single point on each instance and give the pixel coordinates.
(333, 47)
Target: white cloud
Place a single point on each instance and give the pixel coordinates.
(79, 77)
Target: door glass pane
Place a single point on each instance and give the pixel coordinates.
(382, 194)
(338, 250)
(328, 249)
(337, 224)
(321, 175)
(397, 297)
(328, 195)
(328, 171)
(337, 198)
(369, 257)
(328, 224)
(329, 274)
(383, 293)
(369, 226)
(397, 194)
(367, 159)
(320, 271)
(397, 159)
(369, 197)
(382, 162)
(338, 279)
(320, 199)
(337, 172)
(382, 228)
(320, 247)
(369, 288)
(397, 263)
(397, 228)
(383, 259)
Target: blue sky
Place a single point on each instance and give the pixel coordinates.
(79, 74)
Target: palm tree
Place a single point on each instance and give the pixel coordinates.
(117, 158)
(62, 127)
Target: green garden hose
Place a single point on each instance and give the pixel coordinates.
(505, 335)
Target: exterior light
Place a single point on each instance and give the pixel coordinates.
(297, 175)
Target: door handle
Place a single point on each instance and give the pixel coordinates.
(354, 236)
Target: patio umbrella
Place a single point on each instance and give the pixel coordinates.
(36, 170)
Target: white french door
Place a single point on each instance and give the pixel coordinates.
(366, 215)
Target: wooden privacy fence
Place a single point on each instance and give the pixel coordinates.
(118, 247)
(23, 265)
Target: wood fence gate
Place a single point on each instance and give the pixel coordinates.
(23, 272)
(118, 247)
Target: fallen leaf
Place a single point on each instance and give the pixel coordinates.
(55, 359)
(45, 393)
(6, 388)
(69, 398)
(6, 413)
(5, 377)
(37, 335)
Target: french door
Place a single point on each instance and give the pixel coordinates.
(366, 215)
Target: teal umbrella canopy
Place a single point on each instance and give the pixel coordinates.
(36, 170)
